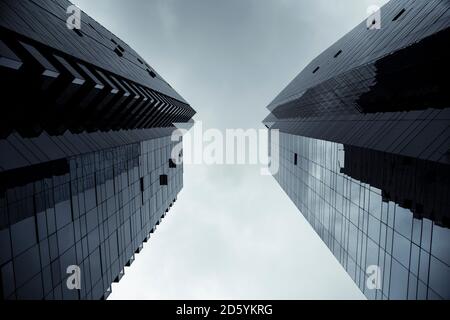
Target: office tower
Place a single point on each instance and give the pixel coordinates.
(86, 172)
(364, 150)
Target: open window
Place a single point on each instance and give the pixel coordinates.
(118, 52)
(163, 180)
(142, 184)
(399, 15)
(142, 187)
(338, 53)
(151, 73)
(78, 32)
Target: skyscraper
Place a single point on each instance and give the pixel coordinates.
(364, 150)
(86, 167)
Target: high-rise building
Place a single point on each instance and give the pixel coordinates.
(86, 164)
(364, 150)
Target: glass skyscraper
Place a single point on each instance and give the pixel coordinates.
(86, 165)
(364, 150)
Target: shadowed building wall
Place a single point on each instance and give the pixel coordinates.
(85, 150)
(365, 150)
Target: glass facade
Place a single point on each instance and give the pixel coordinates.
(93, 211)
(85, 143)
(366, 224)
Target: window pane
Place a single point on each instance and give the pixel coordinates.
(403, 221)
(440, 278)
(399, 281)
(441, 244)
(401, 249)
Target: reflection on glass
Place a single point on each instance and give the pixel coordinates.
(375, 212)
(89, 211)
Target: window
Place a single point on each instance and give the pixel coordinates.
(439, 278)
(295, 159)
(151, 73)
(78, 32)
(120, 48)
(399, 15)
(142, 184)
(172, 164)
(401, 249)
(118, 52)
(399, 281)
(338, 54)
(403, 221)
(163, 180)
(140, 61)
(316, 69)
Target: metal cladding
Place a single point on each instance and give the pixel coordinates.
(83, 80)
(378, 89)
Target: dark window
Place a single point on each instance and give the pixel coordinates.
(163, 181)
(338, 54)
(78, 32)
(316, 69)
(172, 164)
(142, 184)
(151, 73)
(140, 61)
(295, 159)
(399, 15)
(118, 52)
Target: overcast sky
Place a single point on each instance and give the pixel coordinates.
(233, 234)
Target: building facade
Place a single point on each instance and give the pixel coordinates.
(364, 150)
(87, 169)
